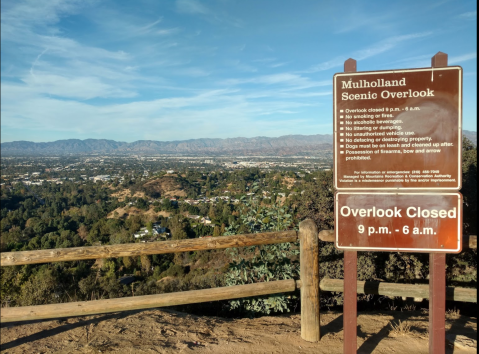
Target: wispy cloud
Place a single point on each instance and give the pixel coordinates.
(201, 115)
(277, 65)
(195, 7)
(357, 19)
(241, 66)
(371, 51)
(152, 29)
(82, 88)
(462, 58)
(192, 72)
(417, 61)
(73, 68)
(470, 15)
(64, 67)
(271, 62)
(192, 7)
(167, 31)
(286, 79)
(148, 27)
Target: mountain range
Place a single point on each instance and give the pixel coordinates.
(288, 145)
(281, 146)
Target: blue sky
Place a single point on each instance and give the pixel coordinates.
(186, 69)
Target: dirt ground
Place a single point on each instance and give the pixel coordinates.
(168, 331)
(128, 211)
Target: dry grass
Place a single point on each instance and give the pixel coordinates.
(126, 193)
(453, 313)
(400, 329)
(289, 182)
(408, 307)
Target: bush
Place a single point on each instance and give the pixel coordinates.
(262, 263)
(175, 271)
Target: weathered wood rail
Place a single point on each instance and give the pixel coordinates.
(83, 308)
(309, 284)
(403, 290)
(138, 249)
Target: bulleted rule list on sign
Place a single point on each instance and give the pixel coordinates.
(398, 129)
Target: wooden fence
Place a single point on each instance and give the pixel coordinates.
(309, 284)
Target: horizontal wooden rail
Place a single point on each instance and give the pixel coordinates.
(137, 249)
(84, 308)
(29, 313)
(172, 246)
(405, 290)
(468, 241)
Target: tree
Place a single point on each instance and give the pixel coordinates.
(39, 289)
(142, 204)
(149, 227)
(212, 212)
(317, 202)
(469, 186)
(145, 263)
(127, 262)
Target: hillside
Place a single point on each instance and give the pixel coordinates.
(472, 136)
(169, 331)
(167, 186)
(288, 145)
(281, 146)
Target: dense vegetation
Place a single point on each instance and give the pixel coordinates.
(81, 212)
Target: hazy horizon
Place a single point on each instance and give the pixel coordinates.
(236, 137)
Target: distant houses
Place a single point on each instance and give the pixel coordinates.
(103, 178)
(157, 231)
(203, 220)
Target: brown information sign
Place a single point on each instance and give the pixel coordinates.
(409, 222)
(398, 129)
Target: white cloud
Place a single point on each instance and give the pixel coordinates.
(192, 7)
(167, 31)
(371, 51)
(356, 20)
(471, 15)
(83, 88)
(213, 113)
(293, 80)
(462, 58)
(237, 64)
(38, 12)
(192, 72)
(277, 65)
(148, 27)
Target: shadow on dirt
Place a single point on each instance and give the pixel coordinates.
(57, 330)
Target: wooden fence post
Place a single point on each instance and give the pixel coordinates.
(350, 341)
(309, 268)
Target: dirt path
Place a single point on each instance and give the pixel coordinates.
(167, 331)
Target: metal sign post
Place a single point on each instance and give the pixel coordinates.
(350, 308)
(437, 274)
(397, 172)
